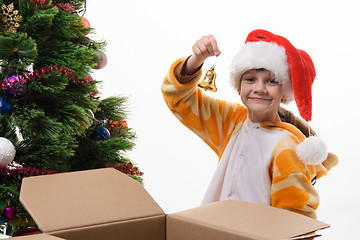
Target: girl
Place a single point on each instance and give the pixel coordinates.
(266, 155)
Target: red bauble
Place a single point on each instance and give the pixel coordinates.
(103, 60)
(85, 23)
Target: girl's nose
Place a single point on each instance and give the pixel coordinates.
(260, 87)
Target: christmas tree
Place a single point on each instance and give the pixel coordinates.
(52, 119)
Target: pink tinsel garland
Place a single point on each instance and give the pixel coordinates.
(28, 77)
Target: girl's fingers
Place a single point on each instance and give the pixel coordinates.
(207, 46)
(215, 49)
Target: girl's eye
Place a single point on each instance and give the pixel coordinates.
(273, 82)
(250, 80)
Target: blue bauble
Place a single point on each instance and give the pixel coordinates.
(103, 133)
(5, 106)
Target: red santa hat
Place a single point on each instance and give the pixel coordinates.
(292, 67)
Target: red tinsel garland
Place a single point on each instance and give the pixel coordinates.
(23, 171)
(127, 168)
(62, 6)
(28, 77)
(42, 2)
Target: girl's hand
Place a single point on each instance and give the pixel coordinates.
(203, 48)
(206, 47)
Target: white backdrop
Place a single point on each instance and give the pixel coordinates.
(145, 37)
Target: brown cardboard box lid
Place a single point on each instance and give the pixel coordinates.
(85, 198)
(37, 237)
(240, 220)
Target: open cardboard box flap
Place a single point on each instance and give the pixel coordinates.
(101, 201)
(246, 220)
(107, 204)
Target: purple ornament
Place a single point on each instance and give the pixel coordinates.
(14, 85)
(10, 213)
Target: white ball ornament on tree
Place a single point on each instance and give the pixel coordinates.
(7, 152)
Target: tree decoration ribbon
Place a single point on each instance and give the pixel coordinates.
(40, 2)
(10, 18)
(62, 6)
(15, 174)
(17, 81)
(23, 171)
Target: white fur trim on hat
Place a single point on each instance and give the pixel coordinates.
(266, 55)
(312, 151)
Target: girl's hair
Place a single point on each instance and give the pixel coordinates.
(289, 117)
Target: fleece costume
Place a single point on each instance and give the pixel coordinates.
(257, 161)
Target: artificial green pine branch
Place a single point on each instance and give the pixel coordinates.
(17, 51)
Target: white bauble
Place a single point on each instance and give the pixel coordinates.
(7, 152)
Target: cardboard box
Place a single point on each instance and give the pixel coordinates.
(106, 204)
(37, 237)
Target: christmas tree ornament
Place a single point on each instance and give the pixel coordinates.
(123, 123)
(7, 152)
(208, 82)
(95, 94)
(5, 106)
(88, 119)
(10, 18)
(86, 24)
(14, 85)
(102, 61)
(115, 125)
(103, 133)
(10, 212)
(90, 116)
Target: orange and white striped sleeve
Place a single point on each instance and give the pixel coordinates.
(292, 187)
(211, 119)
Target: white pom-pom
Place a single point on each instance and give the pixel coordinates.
(7, 152)
(312, 151)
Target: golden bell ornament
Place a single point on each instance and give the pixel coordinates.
(208, 82)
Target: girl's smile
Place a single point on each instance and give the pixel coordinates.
(261, 93)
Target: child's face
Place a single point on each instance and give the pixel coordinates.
(261, 93)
